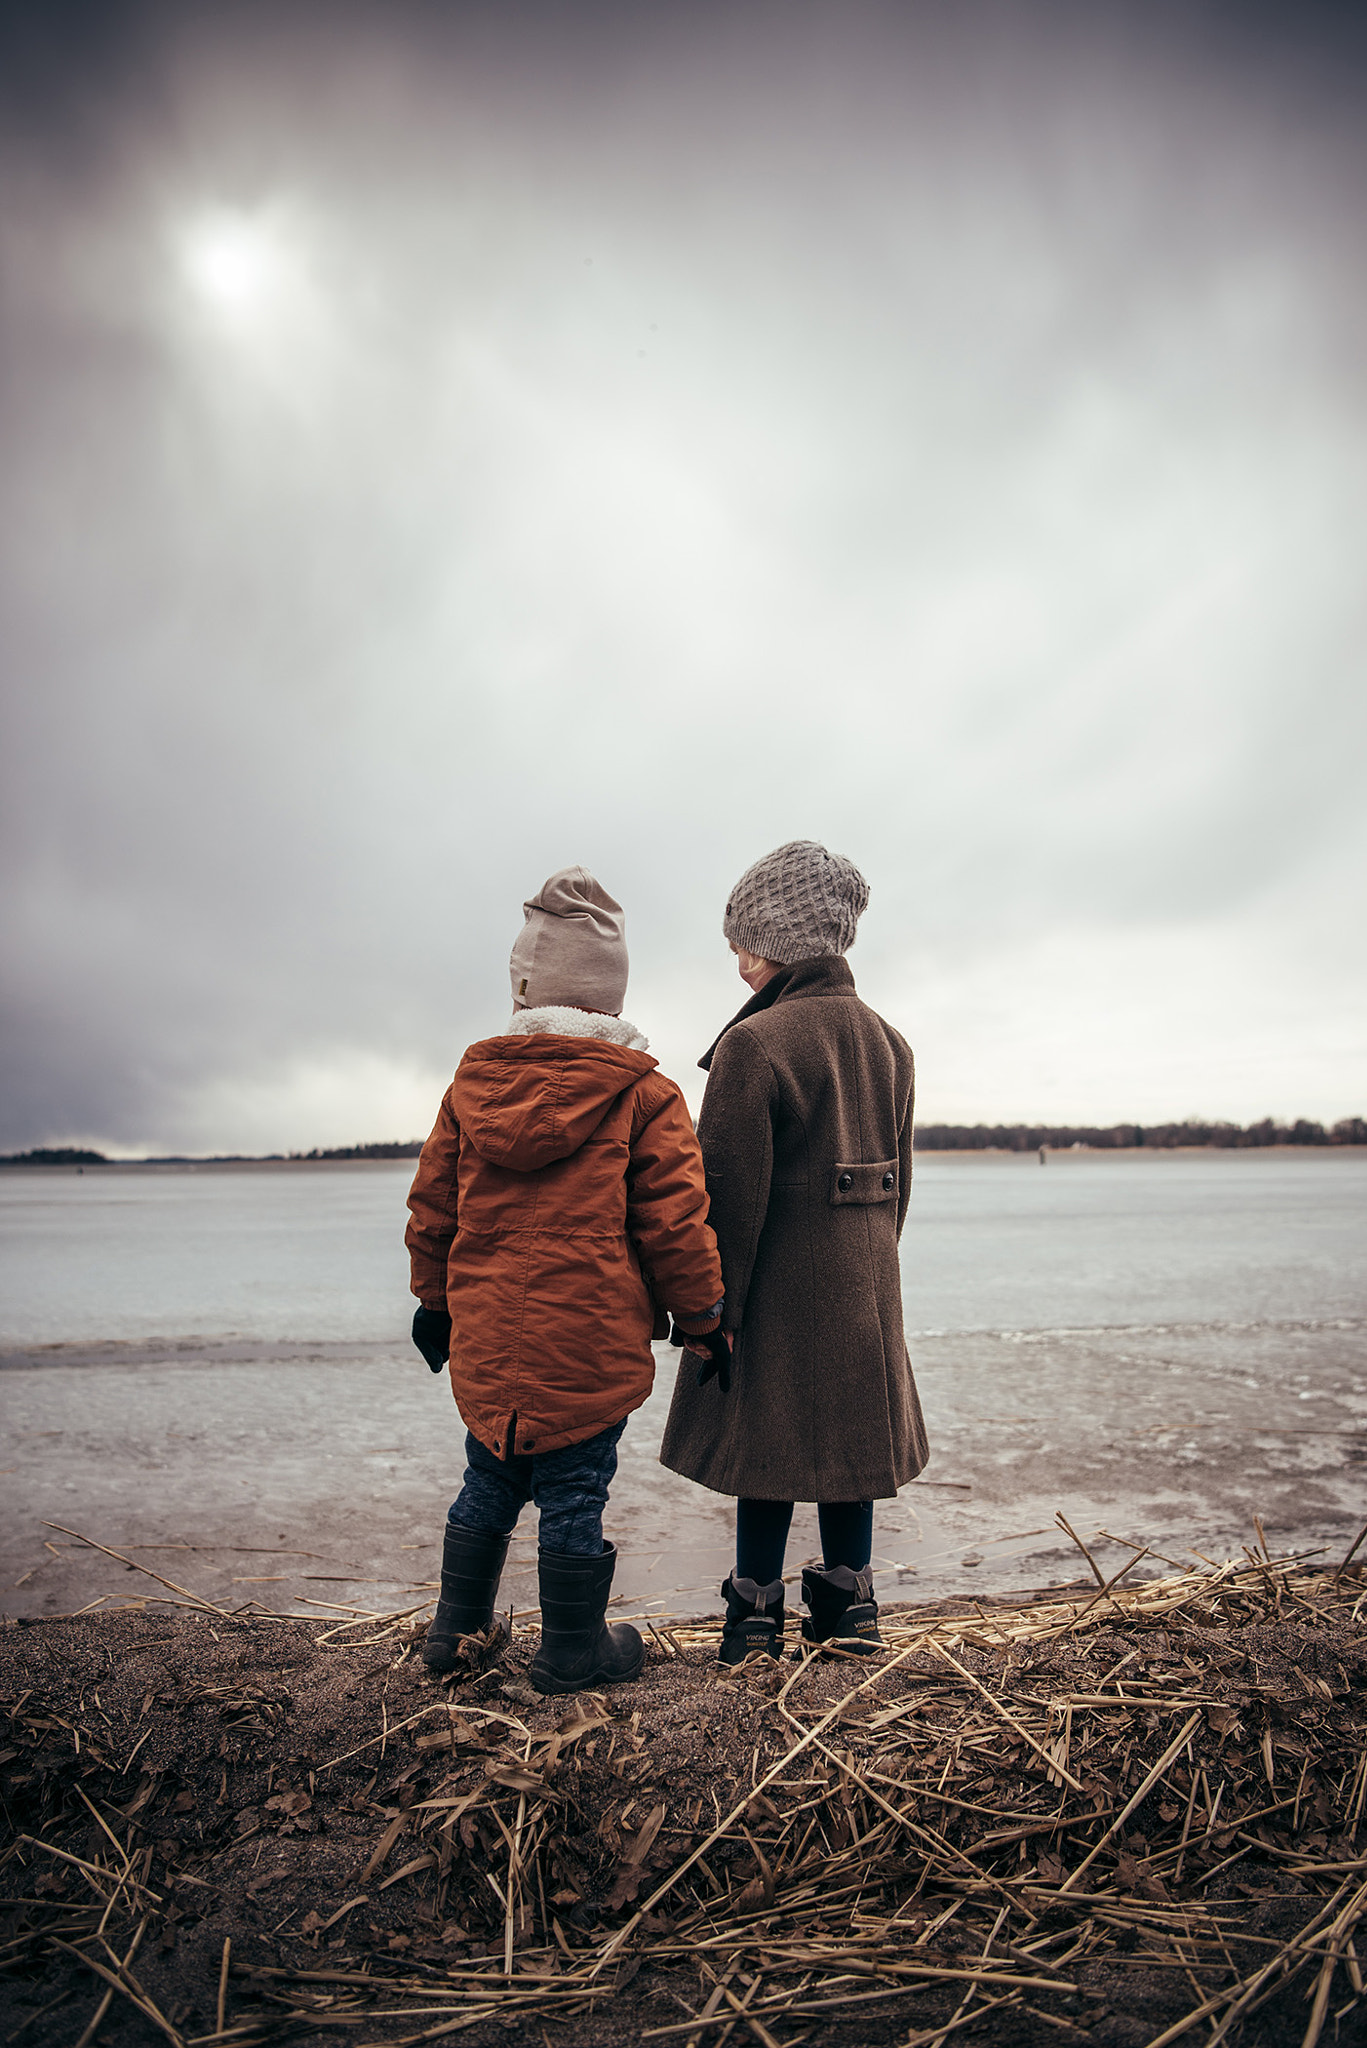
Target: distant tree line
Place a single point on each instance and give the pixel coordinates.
(408, 1151)
(1350, 1130)
(71, 1155)
(54, 1155)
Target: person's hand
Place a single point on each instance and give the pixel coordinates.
(702, 1346)
(715, 1351)
(432, 1335)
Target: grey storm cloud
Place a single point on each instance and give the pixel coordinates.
(443, 443)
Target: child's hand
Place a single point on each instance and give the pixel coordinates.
(703, 1345)
(432, 1335)
(715, 1352)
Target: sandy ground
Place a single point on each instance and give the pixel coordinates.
(317, 1479)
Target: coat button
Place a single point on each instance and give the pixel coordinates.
(845, 1183)
(889, 1181)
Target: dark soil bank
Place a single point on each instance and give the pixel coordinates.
(1127, 1822)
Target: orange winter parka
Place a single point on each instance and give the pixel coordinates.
(558, 1209)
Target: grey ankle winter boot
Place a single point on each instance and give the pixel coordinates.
(841, 1609)
(471, 1566)
(578, 1648)
(754, 1620)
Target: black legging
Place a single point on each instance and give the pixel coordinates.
(762, 1536)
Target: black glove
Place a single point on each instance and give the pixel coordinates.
(719, 1362)
(432, 1335)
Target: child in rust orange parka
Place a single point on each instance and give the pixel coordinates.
(559, 1209)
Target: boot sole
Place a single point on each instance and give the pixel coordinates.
(843, 1646)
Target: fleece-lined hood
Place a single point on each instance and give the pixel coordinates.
(536, 1095)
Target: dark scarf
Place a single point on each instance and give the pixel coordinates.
(825, 975)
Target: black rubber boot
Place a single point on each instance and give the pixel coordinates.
(754, 1620)
(471, 1566)
(841, 1609)
(578, 1648)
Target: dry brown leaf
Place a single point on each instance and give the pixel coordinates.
(515, 1777)
(290, 1803)
(146, 1787)
(636, 1847)
(383, 1846)
(424, 1862)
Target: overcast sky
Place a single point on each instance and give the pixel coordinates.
(444, 443)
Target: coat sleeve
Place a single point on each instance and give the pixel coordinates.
(432, 1209)
(736, 1130)
(667, 1210)
(904, 1137)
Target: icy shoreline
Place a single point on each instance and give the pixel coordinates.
(314, 1477)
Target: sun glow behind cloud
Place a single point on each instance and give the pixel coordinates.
(235, 265)
(255, 302)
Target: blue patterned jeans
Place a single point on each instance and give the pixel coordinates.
(569, 1487)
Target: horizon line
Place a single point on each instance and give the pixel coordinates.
(1025, 1136)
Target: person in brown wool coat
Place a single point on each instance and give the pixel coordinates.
(558, 1210)
(806, 1130)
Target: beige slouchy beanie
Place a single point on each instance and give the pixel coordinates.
(572, 950)
(798, 903)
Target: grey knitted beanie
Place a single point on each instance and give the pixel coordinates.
(572, 949)
(798, 903)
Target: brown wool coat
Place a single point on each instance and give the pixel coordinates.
(558, 1207)
(806, 1138)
